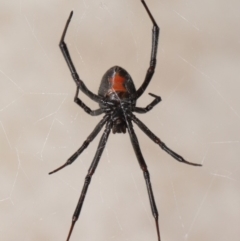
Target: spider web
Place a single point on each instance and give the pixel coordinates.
(41, 127)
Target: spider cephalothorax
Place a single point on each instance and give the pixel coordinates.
(119, 125)
(117, 98)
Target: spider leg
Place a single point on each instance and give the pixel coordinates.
(84, 145)
(146, 174)
(91, 171)
(86, 108)
(154, 138)
(148, 107)
(70, 64)
(153, 61)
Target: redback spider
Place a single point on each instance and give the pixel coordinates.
(117, 98)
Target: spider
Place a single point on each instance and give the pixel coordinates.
(117, 98)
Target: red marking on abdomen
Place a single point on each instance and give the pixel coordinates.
(117, 82)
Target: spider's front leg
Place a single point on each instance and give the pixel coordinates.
(154, 138)
(88, 178)
(146, 174)
(84, 145)
(70, 64)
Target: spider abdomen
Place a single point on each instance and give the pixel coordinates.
(116, 83)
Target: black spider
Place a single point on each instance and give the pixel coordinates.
(117, 98)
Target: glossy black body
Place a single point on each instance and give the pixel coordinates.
(117, 98)
(116, 87)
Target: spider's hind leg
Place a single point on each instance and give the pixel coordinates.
(75, 76)
(153, 59)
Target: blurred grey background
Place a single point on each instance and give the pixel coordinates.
(197, 76)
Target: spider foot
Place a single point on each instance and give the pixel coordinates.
(58, 169)
(71, 229)
(66, 27)
(176, 156)
(190, 163)
(158, 232)
(68, 162)
(155, 96)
